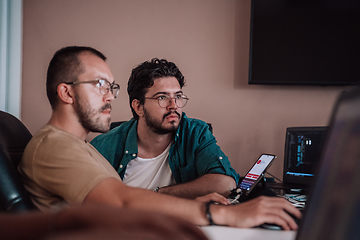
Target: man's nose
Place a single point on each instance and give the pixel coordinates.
(172, 103)
(109, 97)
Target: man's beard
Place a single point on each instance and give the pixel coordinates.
(88, 119)
(155, 125)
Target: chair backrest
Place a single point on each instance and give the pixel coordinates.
(115, 124)
(14, 137)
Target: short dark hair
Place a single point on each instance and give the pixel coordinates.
(142, 77)
(65, 66)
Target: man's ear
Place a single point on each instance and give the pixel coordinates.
(138, 108)
(65, 93)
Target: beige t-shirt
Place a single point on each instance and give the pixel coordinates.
(59, 168)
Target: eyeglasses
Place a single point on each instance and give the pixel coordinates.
(103, 85)
(165, 100)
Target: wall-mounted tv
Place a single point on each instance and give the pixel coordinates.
(305, 42)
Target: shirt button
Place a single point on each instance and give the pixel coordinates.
(121, 166)
(220, 158)
(126, 151)
(134, 155)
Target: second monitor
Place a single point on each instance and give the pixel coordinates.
(303, 146)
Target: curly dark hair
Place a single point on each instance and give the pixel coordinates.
(142, 78)
(65, 66)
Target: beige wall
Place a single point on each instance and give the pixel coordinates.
(207, 39)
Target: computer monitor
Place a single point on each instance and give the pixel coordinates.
(333, 208)
(303, 147)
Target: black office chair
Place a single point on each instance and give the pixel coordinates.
(14, 137)
(115, 124)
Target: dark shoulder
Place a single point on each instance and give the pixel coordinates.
(114, 134)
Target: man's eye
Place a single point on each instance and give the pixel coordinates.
(179, 96)
(162, 97)
(102, 82)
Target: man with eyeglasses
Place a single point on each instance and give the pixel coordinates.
(161, 148)
(59, 167)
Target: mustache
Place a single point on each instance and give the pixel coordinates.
(106, 107)
(167, 114)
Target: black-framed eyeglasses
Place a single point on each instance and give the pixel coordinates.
(165, 100)
(103, 85)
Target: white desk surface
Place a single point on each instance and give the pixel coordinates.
(221, 233)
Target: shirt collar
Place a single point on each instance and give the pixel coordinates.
(131, 141)
(177, 134)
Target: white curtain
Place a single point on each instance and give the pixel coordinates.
(10, 56)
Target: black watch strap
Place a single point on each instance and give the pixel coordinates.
(208, 214)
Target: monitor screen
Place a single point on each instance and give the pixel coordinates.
(305, 42)
(303, 147)
(333, 208)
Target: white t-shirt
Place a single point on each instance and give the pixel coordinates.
(149, 173)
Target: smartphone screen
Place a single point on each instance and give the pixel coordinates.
(255, 173)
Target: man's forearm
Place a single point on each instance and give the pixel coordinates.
(206, 184)
(252, 213)
(115, 193)
(24, 226)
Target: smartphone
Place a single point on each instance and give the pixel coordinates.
(256, 173)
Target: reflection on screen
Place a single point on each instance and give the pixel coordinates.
(304, 152)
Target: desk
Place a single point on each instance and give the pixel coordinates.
(221, 233)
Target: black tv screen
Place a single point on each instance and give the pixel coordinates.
(305, 42)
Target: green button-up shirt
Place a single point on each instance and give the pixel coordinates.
(193, 154)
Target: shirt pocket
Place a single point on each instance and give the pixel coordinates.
(187, 173)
